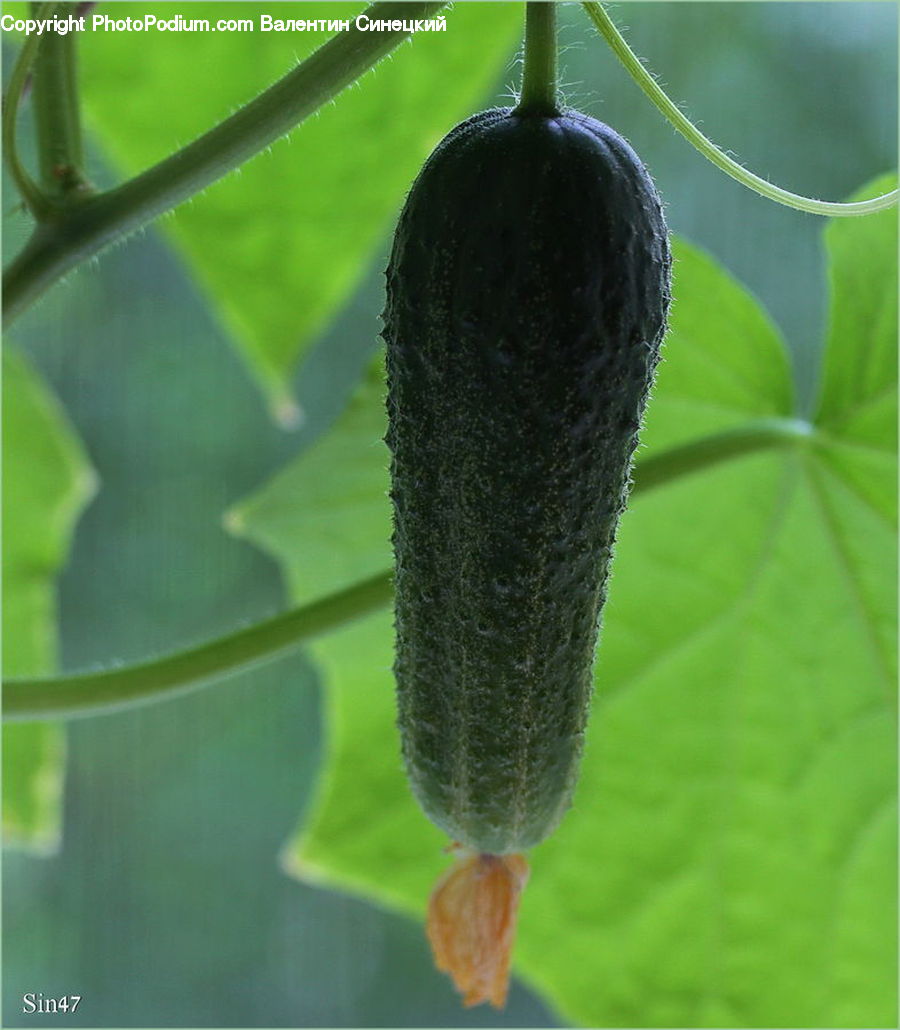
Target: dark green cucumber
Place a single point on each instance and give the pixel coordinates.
(526, 300)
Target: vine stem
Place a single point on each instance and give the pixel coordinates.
(539, 77)
(111, 689)
(94, 693)
(31, 195)
(657, 96)
(59, 245)
(57, 112)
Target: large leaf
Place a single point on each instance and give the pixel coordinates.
(858, 401)
(329, 509)
(301, 221)
(730, 858)
(46, 483)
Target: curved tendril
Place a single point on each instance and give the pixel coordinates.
(657, 96)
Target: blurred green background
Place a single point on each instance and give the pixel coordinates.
(153, 889)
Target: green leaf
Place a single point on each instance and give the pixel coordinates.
(858, 404)
(301, 221)
(326, 517)
(730, 859)
(46, 483)
(861, 358)
(701, 389)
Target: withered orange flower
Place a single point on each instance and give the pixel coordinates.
(472, 923)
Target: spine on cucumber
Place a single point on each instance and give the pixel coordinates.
(526, 300)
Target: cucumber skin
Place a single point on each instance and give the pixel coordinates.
(527, 294)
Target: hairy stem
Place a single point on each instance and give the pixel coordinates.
(57, 113)
(539, 77)
(104, 218)
(707, 148)
(99, 692)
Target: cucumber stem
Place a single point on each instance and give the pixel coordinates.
(57, 112)
(539, 77)
(109, 690)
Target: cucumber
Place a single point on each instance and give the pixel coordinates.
(527, 294)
